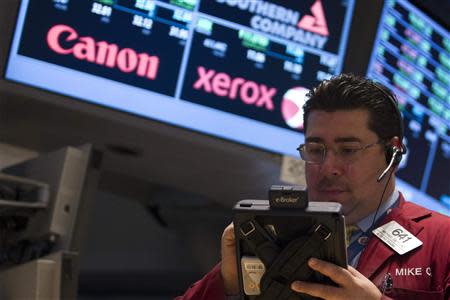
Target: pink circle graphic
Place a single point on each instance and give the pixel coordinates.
(291, 106)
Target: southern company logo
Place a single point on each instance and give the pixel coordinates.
(311, 30)
(101, 53)
(316, 23)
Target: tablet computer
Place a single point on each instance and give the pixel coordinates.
(273, 245)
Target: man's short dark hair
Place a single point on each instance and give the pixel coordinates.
(350, 92)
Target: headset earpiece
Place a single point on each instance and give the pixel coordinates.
(393, 157)
(393, 150)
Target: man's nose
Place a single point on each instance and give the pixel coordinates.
(331, 164)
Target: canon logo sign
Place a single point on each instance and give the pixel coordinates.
(101, 53)
(221, 84)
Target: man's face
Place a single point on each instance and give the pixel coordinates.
(354, 184)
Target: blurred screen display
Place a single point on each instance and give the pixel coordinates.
(411, 56)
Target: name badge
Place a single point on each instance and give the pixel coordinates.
(397, 237)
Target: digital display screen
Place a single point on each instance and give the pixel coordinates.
(411, 56)
(238, 70)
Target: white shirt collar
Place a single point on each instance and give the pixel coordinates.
(366, 223)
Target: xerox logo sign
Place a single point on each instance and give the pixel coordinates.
(223, 85)
(65, 40)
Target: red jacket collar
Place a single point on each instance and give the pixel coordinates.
(406, 214)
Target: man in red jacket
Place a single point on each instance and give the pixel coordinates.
(353, 143)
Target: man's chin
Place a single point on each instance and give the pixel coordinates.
(331, 196)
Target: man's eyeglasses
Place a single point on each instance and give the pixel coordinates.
(346, 152)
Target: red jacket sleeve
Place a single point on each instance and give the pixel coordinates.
(209, 287)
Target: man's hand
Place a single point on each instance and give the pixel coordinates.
(352, 284)
(229, 263)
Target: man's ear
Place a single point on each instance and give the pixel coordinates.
(395, 141)
(395, 147)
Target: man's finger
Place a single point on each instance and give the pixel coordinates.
(338, 274)
(315, 289)
(228, 238)
(354, 272)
